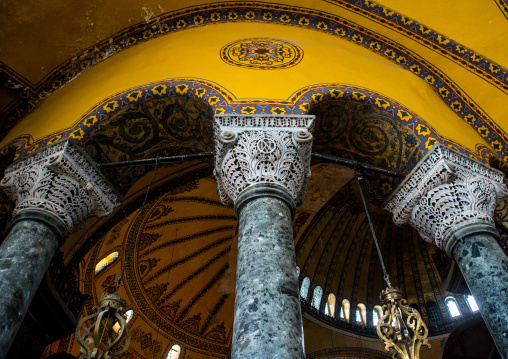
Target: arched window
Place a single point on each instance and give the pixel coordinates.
(361, 314)
(472, 303)
(174, 352)
(452, 306)
(128, 316)
(377, 313)
(316, 297)
(304, 290)
(106, 261)
(341, 313)
(434, 313)
(345, 310)
(375, 317)
(330, 305)
(297, 272)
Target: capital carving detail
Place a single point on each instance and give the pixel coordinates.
(256, 149)
(444, 191)
(62, 180)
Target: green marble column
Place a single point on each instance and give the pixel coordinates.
(268, 319)
(450, 199)
(24, 258)
(56, 191)
(262, 165)
(485, 269)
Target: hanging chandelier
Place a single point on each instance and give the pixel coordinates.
(104, 334)
(400, 327)
(106, 328)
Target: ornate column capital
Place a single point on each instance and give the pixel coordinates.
(60, 181)
(445, 191)
(262, 149)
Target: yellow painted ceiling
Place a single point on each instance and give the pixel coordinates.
(36, 40)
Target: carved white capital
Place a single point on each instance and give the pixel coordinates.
(444, 191)
(62, 180)
(257, 149)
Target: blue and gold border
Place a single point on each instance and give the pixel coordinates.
(223, 102)
(451, 94)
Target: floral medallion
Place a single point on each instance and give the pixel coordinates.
(262, 53)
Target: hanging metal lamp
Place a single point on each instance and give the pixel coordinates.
(104, 334)
(96, 330)
(400, 327)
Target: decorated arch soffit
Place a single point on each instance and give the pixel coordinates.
(222, 101)
(317, 20)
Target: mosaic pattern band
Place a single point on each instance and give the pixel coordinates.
(223, 102)
(451, 94)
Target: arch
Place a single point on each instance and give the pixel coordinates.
(361, 314)
(379, 45)
(377, 312)
(106, 261)
(434, 313)
(304, 289)
(453, 307)
(471, 303)
(222, 101)
(345, 310)
(316, 297)
(330, 305)
(174, 352)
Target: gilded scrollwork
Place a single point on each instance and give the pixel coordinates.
(401, 325)
(253, 149)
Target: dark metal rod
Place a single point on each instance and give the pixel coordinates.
(354, 164)
(160, 160)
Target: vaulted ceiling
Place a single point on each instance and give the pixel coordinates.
(142, 78)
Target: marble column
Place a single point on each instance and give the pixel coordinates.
(55, 190)
(262, 166)
(450, 199)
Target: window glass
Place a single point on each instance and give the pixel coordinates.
(341, 313)
(298, 271)
(304, 290)
(316, 297)
(174, 352)
(375, 317)
(358, 316)
(106, 261)
(453, 308)
(472, 303)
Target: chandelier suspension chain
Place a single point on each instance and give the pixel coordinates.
(138, 222)
(359, 177)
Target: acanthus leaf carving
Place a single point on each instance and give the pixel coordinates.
(60, 179)
(256, 149)
(444, 191)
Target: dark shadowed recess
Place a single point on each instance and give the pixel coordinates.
(366, 134)
(155, 128)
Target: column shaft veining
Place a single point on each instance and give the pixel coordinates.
(267, 308)
(485, 269)
(55, 190)
(262, 166)
(450, 199)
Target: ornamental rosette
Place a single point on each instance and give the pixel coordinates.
(257, 149)
(60, 180)
(445, 191)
